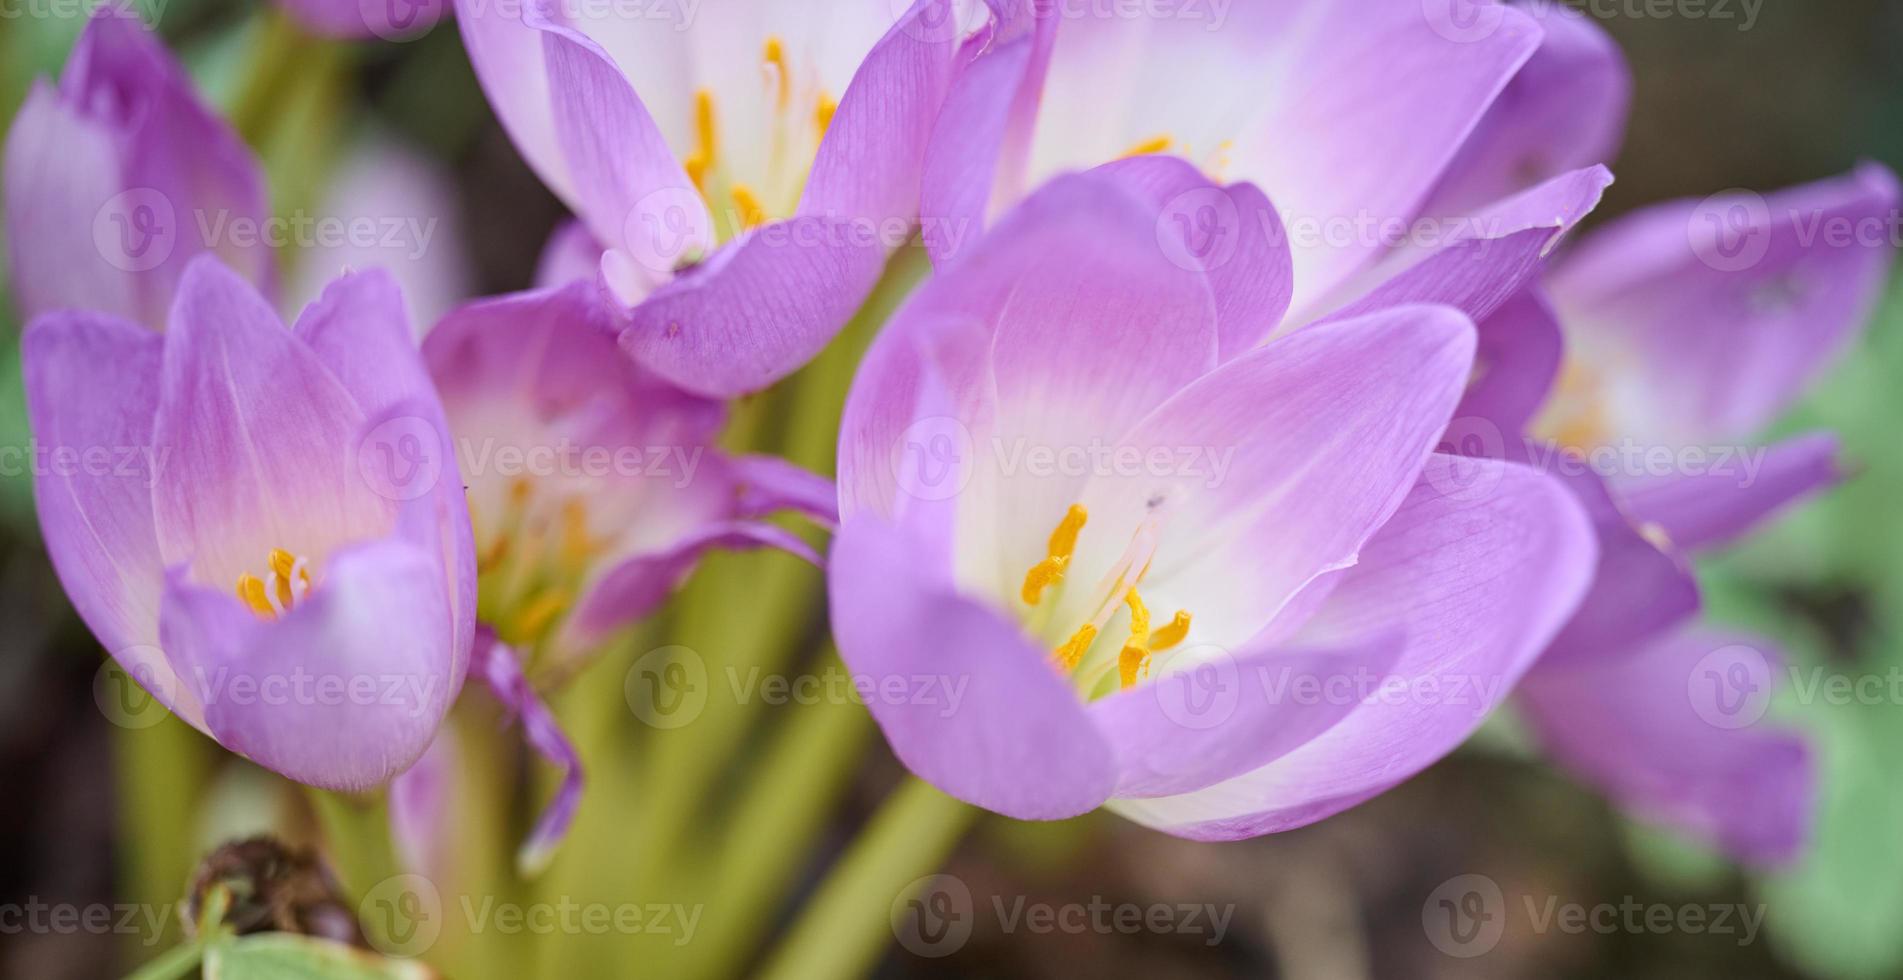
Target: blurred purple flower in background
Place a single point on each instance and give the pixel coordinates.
(114, 177)
(1674, 333)
(289, 566)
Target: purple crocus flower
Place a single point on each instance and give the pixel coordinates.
(118, 177)
(594, 487)
(746, 166)
(256, 522)
(1226, 587)
(1682, 330)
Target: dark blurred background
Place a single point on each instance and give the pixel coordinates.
(1804, 93)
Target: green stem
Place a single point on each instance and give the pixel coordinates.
(808, 765)
(161, 774)
(356, 833)
(847, 923)
(276, 60)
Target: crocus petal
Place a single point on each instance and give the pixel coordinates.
(1479, 582)
(1346, 114)
(1514, 368)
(627, 186)
(1674, 733)
(501, 669)
(1360, 404)
(1018, 742)
(358, 329)
(1643, 584)
(869, 161)
(977, 151)
(509, 61)
(423, 808)
(1697, 511)
(1215, 717)
(637, 584)
(1484, 259)
(346, 690)
(260, 433)
(768, 483)
(115, 181)
(570, 255)
(92, 386)
(1709, 317)
(1564, 110)
(757, 309)
(1232, 233)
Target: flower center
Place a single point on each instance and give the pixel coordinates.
(798, 118)
(1139, 649)
(1215, 165)
(529, 573)
(1576, 417)
(288, 584)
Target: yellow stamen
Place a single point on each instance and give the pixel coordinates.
(1062, 544)
(577, 543)
(539, 612)
(251, 590)
(1073, 649)
(282, 562)
(823, 113)
(1041, 576)
(1155, 144)
(1139, 617)
(1131, 662)
(705, 146)
(1171, 633)
(751, 213)
(776, 57)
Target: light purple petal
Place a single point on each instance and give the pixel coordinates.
(501, 669)
(1016, 741)
(635, 585)
(346, 690)
(1221, 716)
(1566, 109)
(1478, 581)
(1320, 436)
(869, 161)
(1514, 366)
(571, 255)
(1476, 263)
(115, 181)
(423, 808)
(768, 483)
(978, 146)
(1642, 586)
(1708, 318)
(92, 386)
(759, 308)
(509, 62)
(1232, 233)
(260, 437)
(358, 329)
(1674, 732)
(1710, 508)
